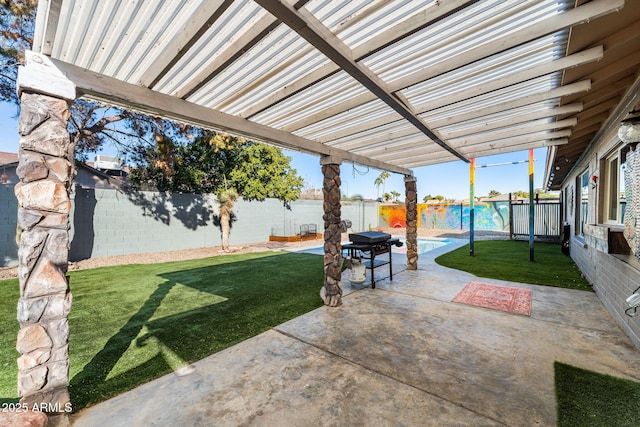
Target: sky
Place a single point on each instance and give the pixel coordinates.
(450, 180)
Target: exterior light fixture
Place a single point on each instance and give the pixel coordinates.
(629, 130)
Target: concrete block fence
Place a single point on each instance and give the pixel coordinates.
(106, 222)
(8, 226)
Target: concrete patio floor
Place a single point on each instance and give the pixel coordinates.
(402, 354)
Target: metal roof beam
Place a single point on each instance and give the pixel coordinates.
(513, 132)
(418, 161)
(307, 26)
(422, 19)
(584, 57)
(113, 91)
(47, 18)
(387, 137)
(526, 135)
(522, 142)
(517, 140)
(520, 147)
(535, 31)
(357, 141)
(246, 41)
(406, 153)
(516, 146)
(347, 23)
(581, 86)
(434, 161)
(208, 13)
(510, 121)
(366, 140)
(562, 21)
(576, 59)
(405, 147)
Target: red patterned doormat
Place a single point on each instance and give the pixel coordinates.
(503, 298)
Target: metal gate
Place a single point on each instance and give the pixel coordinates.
(546, 220)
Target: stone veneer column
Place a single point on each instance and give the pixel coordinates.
(332, 292)
(411, 203)
(46, 174)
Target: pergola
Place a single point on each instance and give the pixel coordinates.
(392, 84)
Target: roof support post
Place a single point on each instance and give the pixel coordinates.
(331, 292)
(46, 173)
(411, 204)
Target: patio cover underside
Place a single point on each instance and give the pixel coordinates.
(389, 84)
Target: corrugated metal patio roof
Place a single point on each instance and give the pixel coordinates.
(393, 84)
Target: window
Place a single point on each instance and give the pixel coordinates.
(614, 190)
(582, 207)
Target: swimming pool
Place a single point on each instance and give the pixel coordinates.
(424, 245)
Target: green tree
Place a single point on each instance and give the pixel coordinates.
(201, 165)
(262, 171)
(494, 193)
(395, 195)
(380, 181)
(218, 164)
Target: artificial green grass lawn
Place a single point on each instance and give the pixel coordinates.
(587, 398)
(509, 260)
(133, 323)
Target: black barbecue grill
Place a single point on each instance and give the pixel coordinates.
(369, 244)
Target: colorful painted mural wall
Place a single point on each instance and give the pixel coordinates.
(488, 216)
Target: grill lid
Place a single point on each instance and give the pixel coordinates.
(369, 237)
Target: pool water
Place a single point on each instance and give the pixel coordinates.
(424, 245)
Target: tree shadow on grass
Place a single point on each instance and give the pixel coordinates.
(86, 387)
(249, 296)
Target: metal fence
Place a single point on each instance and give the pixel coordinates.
(547, 222)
